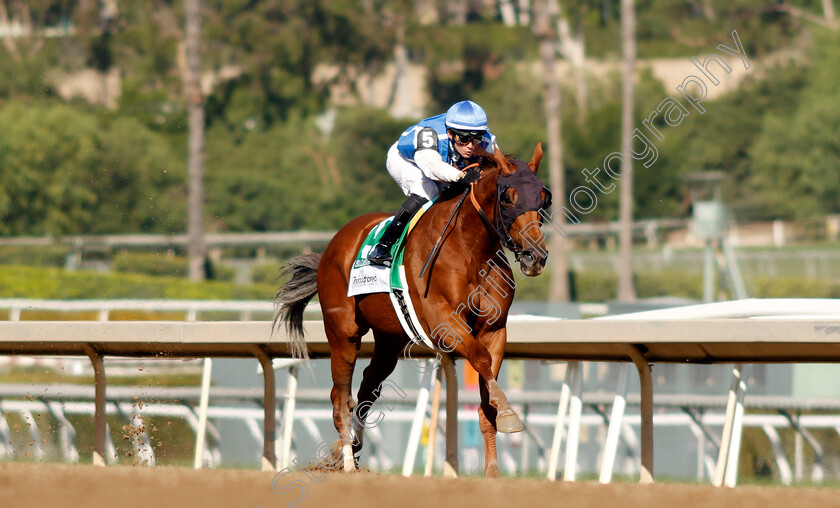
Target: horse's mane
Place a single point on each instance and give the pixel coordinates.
(450, 192)
(485, 163)
(487, 160)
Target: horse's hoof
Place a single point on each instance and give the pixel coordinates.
(507, 422)
(491, 471)
(349, 459)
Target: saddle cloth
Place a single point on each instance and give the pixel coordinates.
(366, 278)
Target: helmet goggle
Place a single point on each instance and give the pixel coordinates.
(464, 137)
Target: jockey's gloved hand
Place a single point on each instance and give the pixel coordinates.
(470, 176)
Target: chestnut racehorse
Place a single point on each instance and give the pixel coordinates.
(467, 291)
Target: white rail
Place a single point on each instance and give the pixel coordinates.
(805, 331)
(768, 420)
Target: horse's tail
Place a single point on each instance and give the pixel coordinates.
(292, 297)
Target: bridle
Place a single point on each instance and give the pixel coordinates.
(501, 227)
(504, 221)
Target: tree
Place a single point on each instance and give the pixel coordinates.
(626, 290)
(796, 157)
(573, 49)
(196, 247)
(559, 289)
(64, 170)
(272, 49)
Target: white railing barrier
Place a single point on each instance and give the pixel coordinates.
(805, 330)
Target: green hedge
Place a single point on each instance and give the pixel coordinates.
(55, 283)
(669, 283)
(51, 255)
(592, 286)
(792, 287)
(595, 286)
(588, 286)
(150, 264)
(266, 273)
(163, 265)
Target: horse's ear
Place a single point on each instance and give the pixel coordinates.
(505, 167)
(535, 160)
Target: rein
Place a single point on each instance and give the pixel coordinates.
(440, 238)
(468, 190)
(498, 229)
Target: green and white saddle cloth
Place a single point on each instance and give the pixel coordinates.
(367, 278)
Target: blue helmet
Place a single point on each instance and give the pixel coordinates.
(466, 116)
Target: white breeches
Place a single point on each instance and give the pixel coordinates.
(408, 176)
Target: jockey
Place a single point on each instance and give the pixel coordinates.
(431, 153)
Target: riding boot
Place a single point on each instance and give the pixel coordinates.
(381, 253)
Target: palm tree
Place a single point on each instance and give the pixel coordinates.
(196, 247)
(626, 290)
(542, 26)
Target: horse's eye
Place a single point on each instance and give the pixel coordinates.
(506, 199)
(547, 200)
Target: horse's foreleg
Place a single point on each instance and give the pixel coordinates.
(487, 365)
(506, 419)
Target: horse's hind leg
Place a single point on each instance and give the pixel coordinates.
(386, 353)
(342, 363)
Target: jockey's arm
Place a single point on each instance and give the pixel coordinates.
(434, 167)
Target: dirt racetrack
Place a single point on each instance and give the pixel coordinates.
(42, 485)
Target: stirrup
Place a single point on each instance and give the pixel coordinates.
(380, 255)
